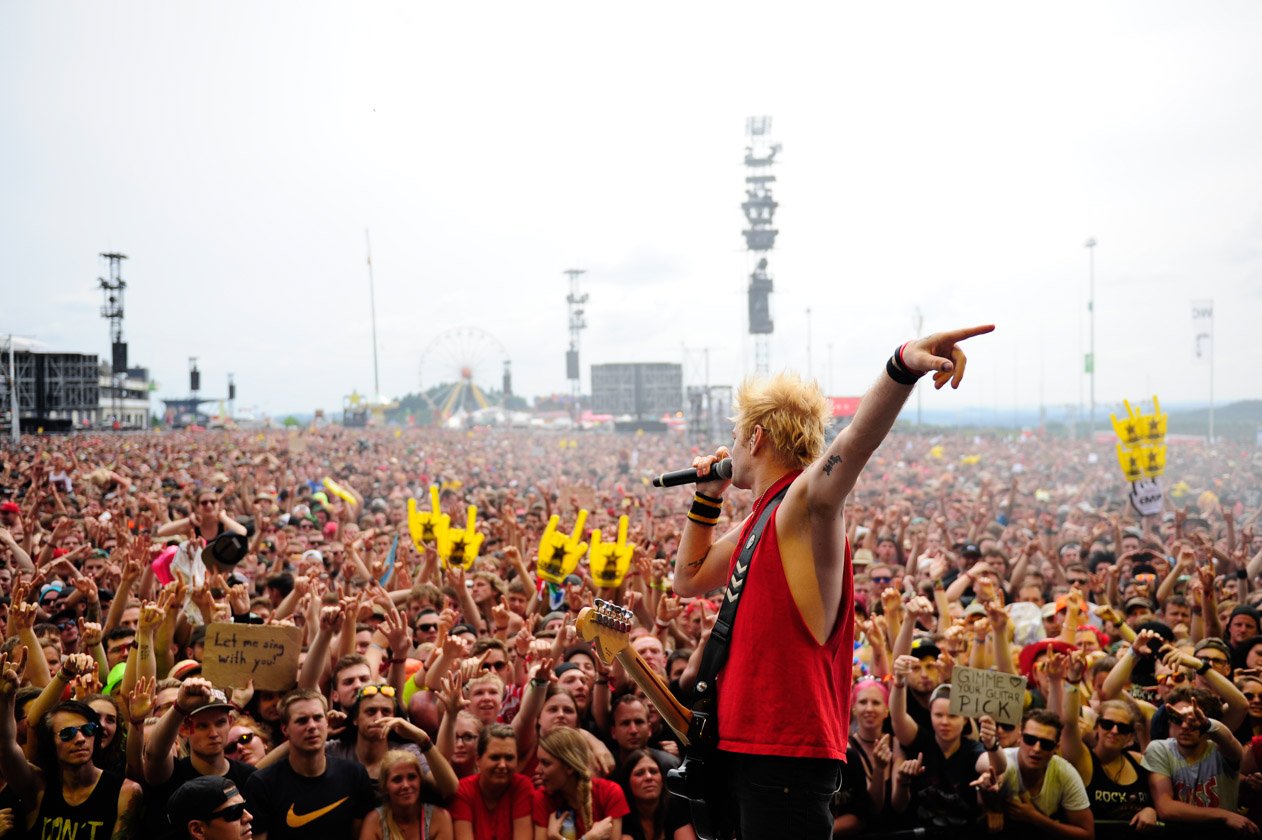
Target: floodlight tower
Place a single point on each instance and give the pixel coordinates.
(578, 322)
(760, 235)
(112, 311)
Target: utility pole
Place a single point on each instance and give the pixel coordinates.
(1090, 245)
(372, 306)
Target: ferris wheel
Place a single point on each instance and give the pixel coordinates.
(469, 358)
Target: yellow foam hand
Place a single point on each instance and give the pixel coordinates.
(1129, 461)
(558, 553)
(426, 527)
(339, 491)
(1154, 460)
(1128, 429)
(460, 546)
(610, 560)
(1157, 422)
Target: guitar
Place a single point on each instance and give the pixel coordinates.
(606, 626)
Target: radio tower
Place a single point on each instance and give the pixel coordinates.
(578, 323)
(112, 311)
(760, 236)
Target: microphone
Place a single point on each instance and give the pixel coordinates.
(718, 470)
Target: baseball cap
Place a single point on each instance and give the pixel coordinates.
(199, 798)
(216, 700)
(925, 648)
(184, 668)
(9, 507)
(971, 550)
(1139, 601)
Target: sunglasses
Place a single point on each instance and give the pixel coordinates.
(881, 579)
(89, 730)
(1183, 720)
(230, 814)
(236, 743)
(1007, 727)
(1047, 744)
(427, 628)
(1178, 678)
(498, 666)
(374, 690)
(1251, 696)
(1078, 581)
(1215, 661)
(1109, 725)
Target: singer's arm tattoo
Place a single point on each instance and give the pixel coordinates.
(833, 460)
(699, 562)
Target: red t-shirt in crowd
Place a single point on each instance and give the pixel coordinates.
(607, 801)
(468, 805)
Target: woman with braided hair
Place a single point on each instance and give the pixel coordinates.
(571, 804)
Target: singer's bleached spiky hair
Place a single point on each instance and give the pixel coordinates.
(793, 412)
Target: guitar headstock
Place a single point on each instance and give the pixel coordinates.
(606, 626)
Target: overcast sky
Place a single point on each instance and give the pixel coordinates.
(952, 157)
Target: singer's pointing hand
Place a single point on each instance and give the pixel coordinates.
(940, 354)
(703, 463)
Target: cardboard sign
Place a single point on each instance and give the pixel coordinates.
(975, 692)
(266, 653)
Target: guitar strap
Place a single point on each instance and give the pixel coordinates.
(714, 657)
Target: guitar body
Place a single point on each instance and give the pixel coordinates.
(700, 781)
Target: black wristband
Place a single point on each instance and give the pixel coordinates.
(1205, 666)
(710, 500)
(1242, 574)
(899, 374)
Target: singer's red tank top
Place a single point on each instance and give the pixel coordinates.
(781, 692)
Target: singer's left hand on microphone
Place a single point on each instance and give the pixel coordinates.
(703, 463)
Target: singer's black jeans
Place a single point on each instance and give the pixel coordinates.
(782, 797)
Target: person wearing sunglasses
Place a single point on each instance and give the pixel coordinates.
(1196, 772)
(202, 716)
(248, 741)
(1040, 788)
(375, 725)
(210, 808)
(67, 792)
(1116, 782)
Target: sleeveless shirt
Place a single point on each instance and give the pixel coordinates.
(93, 819)
(1111, 801)
(781, 693)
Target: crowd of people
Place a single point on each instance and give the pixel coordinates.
(435, 701)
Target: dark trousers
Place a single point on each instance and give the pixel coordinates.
(779, 797)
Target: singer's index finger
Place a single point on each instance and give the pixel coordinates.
(622, 530)
(578, 524)
(968, 332)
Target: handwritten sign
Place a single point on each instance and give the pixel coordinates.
(266, 653)
(975, 692)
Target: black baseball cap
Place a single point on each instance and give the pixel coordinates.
(198, 799)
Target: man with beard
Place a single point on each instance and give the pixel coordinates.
(1195, 773)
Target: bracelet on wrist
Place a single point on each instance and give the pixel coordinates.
(897, 370)
(661, 624)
